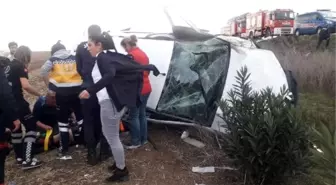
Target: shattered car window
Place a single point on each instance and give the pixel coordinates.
(195, 80)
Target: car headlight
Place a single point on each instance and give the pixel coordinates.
(329, 22)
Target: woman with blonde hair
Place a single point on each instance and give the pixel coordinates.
(138, 126)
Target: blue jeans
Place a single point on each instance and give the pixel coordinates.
(138, 125)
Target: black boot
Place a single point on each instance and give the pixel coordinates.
(119, 175)
(105, 152)
(29, 162)
(112, 168)
(92, 157)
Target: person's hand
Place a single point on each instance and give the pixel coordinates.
(84, 95)
(17, 125)
(8, 130)
(47, 127)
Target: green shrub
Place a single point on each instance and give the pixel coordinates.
(324, 160)
(267, 140)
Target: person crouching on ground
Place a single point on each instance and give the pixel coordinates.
(8, 112)
(17, 75)
(45, 111)
(60, 74)
(138, 126)
(117, 86)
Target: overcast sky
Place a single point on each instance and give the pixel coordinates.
(40, 23)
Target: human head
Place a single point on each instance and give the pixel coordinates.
(129, 42)
(98, 43)
(51, 98)
(23, 54)
(94, 30)
(12, 47)
(56, 47)
(4, 61)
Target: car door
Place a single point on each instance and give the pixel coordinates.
(303, 23)
(313, 23)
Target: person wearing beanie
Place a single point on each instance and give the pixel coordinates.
(60, 75)
(91, 109)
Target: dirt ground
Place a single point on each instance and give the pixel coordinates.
(171, 164)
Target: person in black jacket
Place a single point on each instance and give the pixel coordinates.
(8, 114)
(324, 35)
(18, 78)
(90, 107)
(117, 84)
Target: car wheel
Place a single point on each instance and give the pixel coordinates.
(297, 33)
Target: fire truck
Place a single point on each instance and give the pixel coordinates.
(236, 26)
(241, 25)
(269, 23)
(231, 28)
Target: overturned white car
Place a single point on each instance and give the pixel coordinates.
(201, 69)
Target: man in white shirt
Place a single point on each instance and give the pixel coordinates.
(12, 49)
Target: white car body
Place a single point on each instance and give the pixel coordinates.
(264, 67)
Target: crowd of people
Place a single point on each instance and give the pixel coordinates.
(91, 90)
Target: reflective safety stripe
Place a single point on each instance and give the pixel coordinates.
(63, 127)
(16, 135)
(80, 122)
(68, 84)
(29, 140)
(16, 141)
(62, 124)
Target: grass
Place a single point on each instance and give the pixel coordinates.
(313, 69)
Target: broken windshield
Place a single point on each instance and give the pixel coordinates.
(195, 80)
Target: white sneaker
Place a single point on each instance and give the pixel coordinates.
(65, 157)
(131, 147)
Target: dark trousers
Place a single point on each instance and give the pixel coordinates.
(92, 124)
(3, 155)
(29, 122)
(3, 149)
(66, 105)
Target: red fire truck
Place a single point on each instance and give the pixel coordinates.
(231, 28)
(241, 25)
(236, 26)
(269, 23)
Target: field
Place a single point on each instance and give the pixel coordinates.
(172, 162)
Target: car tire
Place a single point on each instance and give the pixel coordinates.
(297, 32)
